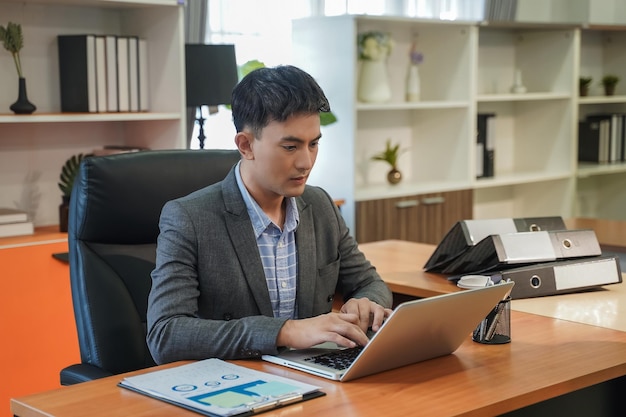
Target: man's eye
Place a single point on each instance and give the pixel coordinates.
(314, 144)
(289, 148)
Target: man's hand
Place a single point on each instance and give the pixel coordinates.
(346, 328)
(340, 328)
(370, 314)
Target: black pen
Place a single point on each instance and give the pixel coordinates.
(496, 319)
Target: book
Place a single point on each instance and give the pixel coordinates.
(144, 104)
(611, 137)
(10, 215)
(133, 73)
(564, 276)
(123, 88)
(17, 229)
(466, 233)
(111, 72)
(101, 73)
(589, 147)
(214, 387)
(485, 145)
(77, 73)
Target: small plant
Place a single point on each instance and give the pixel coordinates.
(390, 154)
(13, 41)
(68, 173)
(610, 80)
(583, 85)
(584, 82)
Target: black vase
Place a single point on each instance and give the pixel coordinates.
(22, 105)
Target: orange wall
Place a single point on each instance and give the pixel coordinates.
(36, 320)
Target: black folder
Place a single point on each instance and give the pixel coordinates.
(467, 233)
(510, 250)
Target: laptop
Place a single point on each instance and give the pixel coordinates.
(415, 331)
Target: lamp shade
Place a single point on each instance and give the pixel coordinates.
(211, 74)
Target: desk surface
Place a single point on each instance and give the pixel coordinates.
(400, 265)
(476, 380)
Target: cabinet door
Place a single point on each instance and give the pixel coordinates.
(420, 218)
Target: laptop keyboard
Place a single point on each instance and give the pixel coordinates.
(339, 359)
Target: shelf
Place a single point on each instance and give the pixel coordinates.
(589, 169)
(521, 178)
(487, 98)
(34, 147)
(86, 117)
(602, 100)
(421, 105)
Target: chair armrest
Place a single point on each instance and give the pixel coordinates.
(82, 372)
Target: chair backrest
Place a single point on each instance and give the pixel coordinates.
(113, 227)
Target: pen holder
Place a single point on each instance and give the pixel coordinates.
(495, 329)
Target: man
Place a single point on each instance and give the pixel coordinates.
(251, 264)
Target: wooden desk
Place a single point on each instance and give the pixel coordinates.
(400, 265)
(547, 358)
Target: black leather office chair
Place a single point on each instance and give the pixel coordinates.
(113, 226)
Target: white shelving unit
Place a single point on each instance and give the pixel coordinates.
(468, 69)
(34, 147)
(436, 132)
(600, 187)
(534, 152)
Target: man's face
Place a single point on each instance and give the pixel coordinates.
(283, 157)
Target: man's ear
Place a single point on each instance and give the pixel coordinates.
(243, 140)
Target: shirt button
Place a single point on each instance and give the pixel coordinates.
(283, 284)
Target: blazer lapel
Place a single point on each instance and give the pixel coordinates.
(244, 243)
(307, 271)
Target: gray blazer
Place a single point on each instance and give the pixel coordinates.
(209, 297)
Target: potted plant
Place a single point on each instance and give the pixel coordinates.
(373, 84)
(609, 82)
(583, 86)
(390, 155)
(13, 40)
(66, 182)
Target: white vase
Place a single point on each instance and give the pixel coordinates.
(413, 83)
(373, 84)
(518, 86)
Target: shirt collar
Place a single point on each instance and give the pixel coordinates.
(260, 220)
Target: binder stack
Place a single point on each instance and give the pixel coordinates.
(103, 73)
(539, 254)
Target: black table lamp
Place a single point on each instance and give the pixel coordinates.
(210, 74)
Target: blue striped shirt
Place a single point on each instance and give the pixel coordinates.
(278, 251)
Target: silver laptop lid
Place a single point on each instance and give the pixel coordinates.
(416, 331)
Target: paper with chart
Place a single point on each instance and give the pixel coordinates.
(213, 386)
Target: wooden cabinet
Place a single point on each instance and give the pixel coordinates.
(420, 218)
(33, 148)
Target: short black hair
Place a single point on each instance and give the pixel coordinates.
(275, 94)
